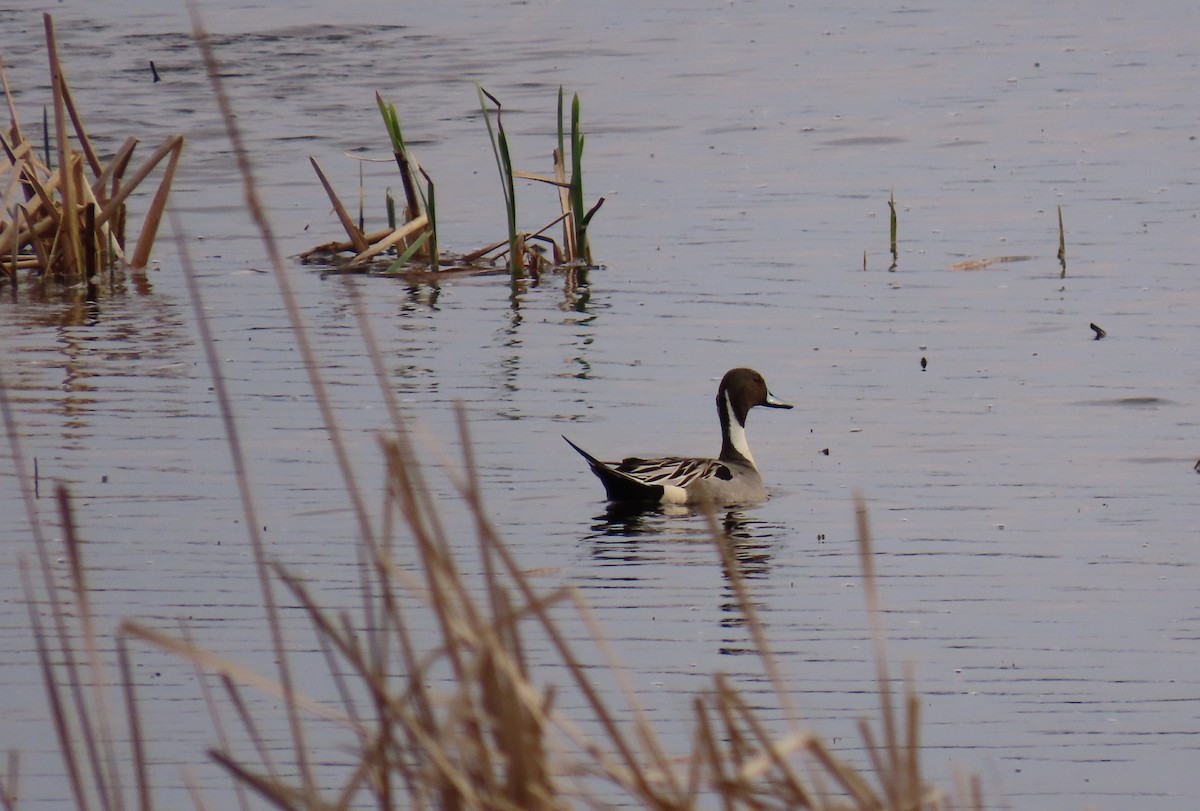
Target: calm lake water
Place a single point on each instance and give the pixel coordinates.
(1032, 491)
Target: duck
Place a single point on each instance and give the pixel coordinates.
(732, 479)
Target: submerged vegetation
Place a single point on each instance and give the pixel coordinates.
(63, 211)
(410, 245)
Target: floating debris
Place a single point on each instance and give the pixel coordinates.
(1100, 333)
(980, 264)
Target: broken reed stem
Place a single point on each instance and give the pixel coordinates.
(1062, 245)
(892, 210)
(355, 235)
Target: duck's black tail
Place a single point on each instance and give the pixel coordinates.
(620, 486)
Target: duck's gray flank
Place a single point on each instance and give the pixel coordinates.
(731, 478)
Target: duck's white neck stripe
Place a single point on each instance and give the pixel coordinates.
(737, 431)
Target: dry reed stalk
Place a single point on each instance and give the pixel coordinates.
(402, 233)
(68, 160)
(10, 793)
(332, 248)
(141, 253)
(352, 231)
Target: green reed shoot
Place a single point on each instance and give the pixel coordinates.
(1062, 246)
(431, 211)
(416, 199)
(392, 122)
(504, 165)
(579, 217)
(409, 252)
(892, 207)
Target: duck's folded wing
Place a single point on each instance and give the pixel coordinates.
(674, 471)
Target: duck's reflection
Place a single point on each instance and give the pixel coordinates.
(621, 531)
(633, 540)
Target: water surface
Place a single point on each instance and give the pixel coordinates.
(1031, 491)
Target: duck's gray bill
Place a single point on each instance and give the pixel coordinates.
(775, 402)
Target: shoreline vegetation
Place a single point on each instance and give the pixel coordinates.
(488, 736)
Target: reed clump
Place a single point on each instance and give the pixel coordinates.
(409, 246)
(63, 210)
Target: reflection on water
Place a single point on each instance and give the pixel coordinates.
(629, 535)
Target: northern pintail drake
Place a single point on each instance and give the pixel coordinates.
(730, 479)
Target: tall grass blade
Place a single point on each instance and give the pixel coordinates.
(431, 211)
(580, 217)
(504, 165)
